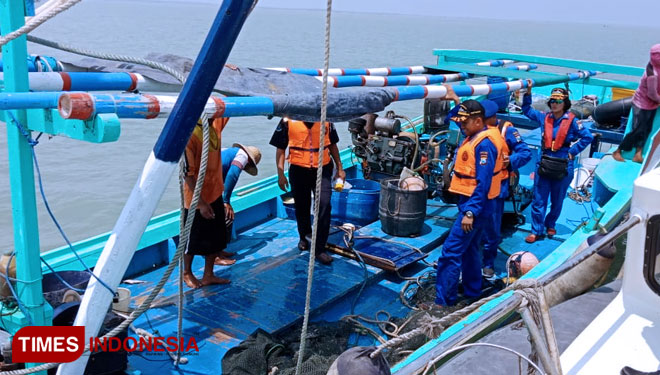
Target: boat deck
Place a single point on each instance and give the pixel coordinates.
(269, 282)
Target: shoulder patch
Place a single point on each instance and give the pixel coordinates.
(579, 124)
(517, 135)
(483, 158)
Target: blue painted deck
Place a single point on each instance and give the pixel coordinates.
(268, 292)
(268, 289)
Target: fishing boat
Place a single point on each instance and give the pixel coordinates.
(375, 273)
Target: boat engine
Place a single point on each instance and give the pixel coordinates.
(385, 150)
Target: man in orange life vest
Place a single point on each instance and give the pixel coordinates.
(562, 139)
(516, 154)
(302, 139)
(476, 181)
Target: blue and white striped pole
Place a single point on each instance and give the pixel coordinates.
(406, 80)
(157, 171)
(95, 81)
(395, 71)
(84, 106)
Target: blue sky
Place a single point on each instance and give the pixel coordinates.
(630, 12)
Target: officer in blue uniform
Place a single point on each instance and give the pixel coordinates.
(518, 155)
(563, 139)
(460, 252)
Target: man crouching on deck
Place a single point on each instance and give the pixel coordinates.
(477, 162)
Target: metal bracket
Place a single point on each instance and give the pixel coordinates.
(594, 222)
(102, 128)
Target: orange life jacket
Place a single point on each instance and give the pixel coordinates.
(304, 144)
(504, 174)
(464, 180)
(560, 138)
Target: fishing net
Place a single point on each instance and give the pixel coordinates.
(261, 352)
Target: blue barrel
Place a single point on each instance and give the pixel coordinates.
(357, 205)
(502, 98)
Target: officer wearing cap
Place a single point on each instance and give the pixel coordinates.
(516, 154)
(476, 182)
(562, 139)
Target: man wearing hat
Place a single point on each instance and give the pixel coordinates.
(516, 154)
(563, 138)
(236, 159)
(477, 162)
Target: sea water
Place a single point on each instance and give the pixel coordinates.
(88, 184)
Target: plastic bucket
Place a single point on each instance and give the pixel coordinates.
(589, 163)
(402, 212)
(581, 177)
(357, 205)
(123, 300)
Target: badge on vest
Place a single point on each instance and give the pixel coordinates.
(483, 158)
(464, 156)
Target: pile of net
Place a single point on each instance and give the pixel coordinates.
(263, 353)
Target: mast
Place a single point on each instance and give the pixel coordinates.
(21, 179)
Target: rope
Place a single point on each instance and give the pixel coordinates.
(533, 300)
(108, 56)
(181, 265)
(317, 193)
(531, 303)
(33, 142)
(464, 346)
(37, 21)
(170, 268)
(449, 319)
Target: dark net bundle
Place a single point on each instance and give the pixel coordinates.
(261, 352)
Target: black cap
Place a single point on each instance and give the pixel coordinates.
(467, 109)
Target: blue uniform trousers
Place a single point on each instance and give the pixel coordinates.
(492, 234)
(544, 188)
(460, 252)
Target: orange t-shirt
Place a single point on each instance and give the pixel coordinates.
(213, 186)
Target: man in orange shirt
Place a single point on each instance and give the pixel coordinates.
(208, 232)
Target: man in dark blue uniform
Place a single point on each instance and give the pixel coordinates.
(563, 139)
(518, 154)
(476, 161)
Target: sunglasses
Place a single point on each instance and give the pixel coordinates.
(557, 101)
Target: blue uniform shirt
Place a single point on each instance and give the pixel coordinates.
(478, 202)
(576, 132)
(520, 155)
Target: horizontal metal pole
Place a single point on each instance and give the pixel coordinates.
(396, 71)
(93, 81)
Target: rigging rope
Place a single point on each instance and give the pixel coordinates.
(464, 346)
(434, 327)
(36, 21)
(184, 235)
(317, 193)
(108, 56)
